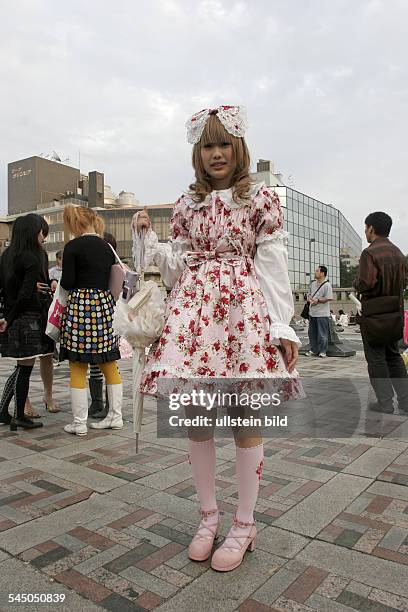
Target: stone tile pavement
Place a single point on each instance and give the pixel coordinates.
(88, 519)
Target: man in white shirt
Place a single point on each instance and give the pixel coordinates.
(56, 271)
(319, 298)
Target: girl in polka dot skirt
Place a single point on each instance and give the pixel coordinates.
(229, 310)
(87, 335)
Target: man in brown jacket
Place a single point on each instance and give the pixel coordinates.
(382, 273)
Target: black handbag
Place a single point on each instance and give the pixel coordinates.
(305, 314)
(382, 320)
(305, 311)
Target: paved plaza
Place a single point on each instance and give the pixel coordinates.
(89, 519)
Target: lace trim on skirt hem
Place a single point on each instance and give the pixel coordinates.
(94, 358)
(160, 386)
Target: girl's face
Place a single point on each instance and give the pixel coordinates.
(41, 238)
(219, 163)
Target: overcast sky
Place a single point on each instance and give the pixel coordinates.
(325, 83)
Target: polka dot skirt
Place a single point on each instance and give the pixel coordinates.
(87, 333)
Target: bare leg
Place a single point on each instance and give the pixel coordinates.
(245, 437)
(30, 361)
(47, 377)
(248, 442)
(29, 410)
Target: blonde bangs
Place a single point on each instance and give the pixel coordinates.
(215, 133)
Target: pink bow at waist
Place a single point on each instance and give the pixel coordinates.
(196, 258)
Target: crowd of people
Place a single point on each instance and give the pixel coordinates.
(87, 337)
(228, 313)
(381, 284)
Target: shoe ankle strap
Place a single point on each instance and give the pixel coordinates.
(237, 523)
(237, 538)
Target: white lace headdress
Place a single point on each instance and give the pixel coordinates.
(233, 118)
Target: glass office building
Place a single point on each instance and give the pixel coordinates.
(350, 243)
(319, 233)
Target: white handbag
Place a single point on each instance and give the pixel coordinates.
(141, 320)
(55, 313)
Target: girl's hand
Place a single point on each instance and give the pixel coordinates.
(3, 326)
(143, 220)
(43, 288)
(290, 353)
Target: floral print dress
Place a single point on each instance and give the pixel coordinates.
(217, 322)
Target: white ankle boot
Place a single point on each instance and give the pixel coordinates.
(79, 406)
(113, 420)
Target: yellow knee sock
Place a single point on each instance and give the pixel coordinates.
(78, 372)
(111, 373)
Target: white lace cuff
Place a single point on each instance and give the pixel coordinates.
(281, 330)
(277, 235)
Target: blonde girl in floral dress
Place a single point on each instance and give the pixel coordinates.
(229, 310)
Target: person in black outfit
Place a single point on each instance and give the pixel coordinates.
(87, 335)
(381, 274)
(97, 409)
(22, 329)
(46, 361)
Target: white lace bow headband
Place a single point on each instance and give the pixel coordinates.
(233, 118)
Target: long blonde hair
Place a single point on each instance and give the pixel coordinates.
(215, 133)
(77, 219)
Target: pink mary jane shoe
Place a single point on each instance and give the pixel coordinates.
(231, 552)
(201, 545)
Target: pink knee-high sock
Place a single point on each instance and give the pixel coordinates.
(249, 469)
(202, 459)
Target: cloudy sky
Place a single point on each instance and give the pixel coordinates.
(325, 83)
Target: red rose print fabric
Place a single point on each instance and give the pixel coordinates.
(217, 323)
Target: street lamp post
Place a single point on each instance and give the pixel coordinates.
(311, 240)
(310, 255)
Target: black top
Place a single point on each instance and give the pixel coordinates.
(87, 263)
(18, 282)
(45, 277)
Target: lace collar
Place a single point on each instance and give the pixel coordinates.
(225, 195)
